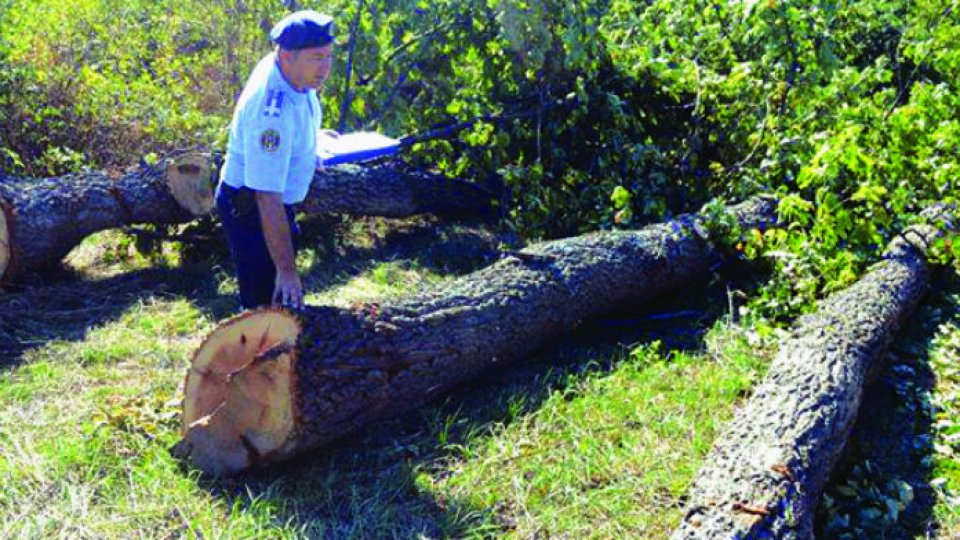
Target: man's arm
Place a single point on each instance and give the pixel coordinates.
(276, 231)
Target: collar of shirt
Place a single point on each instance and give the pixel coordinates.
(280, 82)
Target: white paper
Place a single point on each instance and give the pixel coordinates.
(360, 142)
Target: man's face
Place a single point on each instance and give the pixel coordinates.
(309, 68)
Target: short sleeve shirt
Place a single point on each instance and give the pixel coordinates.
(273, 135)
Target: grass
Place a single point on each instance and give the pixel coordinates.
(598, 437)
(608, 456)
(945, 401)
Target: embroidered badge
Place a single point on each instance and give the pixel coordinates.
(270, 140)
(274, 101)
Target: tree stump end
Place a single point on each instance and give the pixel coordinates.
(188, 178)
(238, 406)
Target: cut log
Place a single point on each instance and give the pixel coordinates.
(42, 220)
(269, 384)
(392, 189)
(765, 472)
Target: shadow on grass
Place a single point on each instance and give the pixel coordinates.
(349, 248)
(367, 485)
(62, 305)
(891, 444)
(67, 307)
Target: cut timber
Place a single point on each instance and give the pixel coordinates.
(43, 219)
(243, 372)
(185, 178)
(393, 190)
(764, 475)
(339, 369)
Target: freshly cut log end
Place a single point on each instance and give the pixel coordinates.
(188, 178)
(238, 402)
(4, 241)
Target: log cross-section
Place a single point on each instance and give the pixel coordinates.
(765, 472)
(338, 369)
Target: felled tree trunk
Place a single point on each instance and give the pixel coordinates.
(393, 190)
(269, 384)
(764, 475)
(41, 220)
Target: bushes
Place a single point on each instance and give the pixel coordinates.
(102, 83)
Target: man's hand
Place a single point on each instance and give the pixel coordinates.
(287, 290)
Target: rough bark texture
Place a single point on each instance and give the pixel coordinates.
(41, 220)
(764, 475)
(351, 367)
(393, 190)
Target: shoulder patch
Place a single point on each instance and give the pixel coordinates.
(274, 102)
(270, 140)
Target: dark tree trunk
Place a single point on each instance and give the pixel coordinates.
(41, 220)
(764, 475)
(269, 384)
(393, 190)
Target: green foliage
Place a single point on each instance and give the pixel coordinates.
(102, 83)
(595, 114)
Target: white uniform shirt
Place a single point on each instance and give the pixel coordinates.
(273, 135)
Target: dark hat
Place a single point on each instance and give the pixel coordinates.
(303, 29)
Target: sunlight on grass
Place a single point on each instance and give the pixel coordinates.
(608, 457)
(85, 428)
(945, 359)
(84, 432)
(111, 252)
(384, 280)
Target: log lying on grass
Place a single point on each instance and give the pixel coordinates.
(42, 220)
(764, 475)
(269, 384)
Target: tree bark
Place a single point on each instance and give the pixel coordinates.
(270, 384)
(393, 190)
(764, 475)
(41, 220)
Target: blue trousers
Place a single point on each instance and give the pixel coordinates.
(256, 273)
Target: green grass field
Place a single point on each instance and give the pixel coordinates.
(598, 437)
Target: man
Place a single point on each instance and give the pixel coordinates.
(271, 158)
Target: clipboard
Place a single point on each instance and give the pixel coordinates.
(354, 147)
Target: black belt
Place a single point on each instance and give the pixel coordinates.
(242, 200)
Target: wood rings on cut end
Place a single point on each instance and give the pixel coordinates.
(188, 179)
